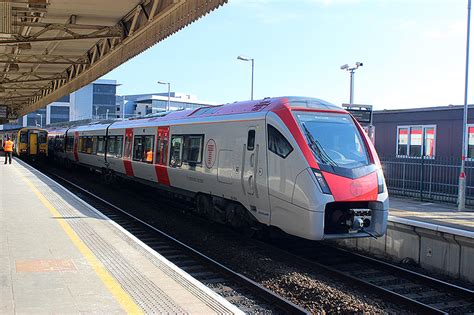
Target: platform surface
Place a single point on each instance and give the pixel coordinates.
(58, 255)
(433, 213)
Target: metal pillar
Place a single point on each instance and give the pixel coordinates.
(462, 174)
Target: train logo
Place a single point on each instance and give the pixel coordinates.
(210, 153)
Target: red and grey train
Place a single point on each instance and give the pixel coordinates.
(298, 164)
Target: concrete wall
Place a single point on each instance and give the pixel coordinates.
(436, 248)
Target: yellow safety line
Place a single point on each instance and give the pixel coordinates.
(112, 285)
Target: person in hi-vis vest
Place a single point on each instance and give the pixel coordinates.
(8, 148)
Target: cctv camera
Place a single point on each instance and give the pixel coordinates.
(359, 64)
(343, 67)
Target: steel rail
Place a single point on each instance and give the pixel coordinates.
(399, 272)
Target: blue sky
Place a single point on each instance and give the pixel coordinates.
(413, 53)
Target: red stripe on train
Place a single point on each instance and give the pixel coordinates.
(162, 175)
(128, 152)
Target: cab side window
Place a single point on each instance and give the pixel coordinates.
(277, 143)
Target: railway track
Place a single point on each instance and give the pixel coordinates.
(419, 292)
(239, 290)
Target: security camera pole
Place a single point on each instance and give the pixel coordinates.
(351, 70)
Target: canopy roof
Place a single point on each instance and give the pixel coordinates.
(50, 48)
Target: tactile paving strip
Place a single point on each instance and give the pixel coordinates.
(132, 280)
(144, 292)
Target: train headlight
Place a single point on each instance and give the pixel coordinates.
(322, 182)
(380, 181)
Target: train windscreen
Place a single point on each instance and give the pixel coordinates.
(334, 139)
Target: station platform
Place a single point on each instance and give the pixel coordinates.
(442, 217)
(59, 255)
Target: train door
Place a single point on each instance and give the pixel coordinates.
(127, 154)
(161, 155)
(33, 144)
(254, 173)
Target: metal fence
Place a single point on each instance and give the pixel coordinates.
(427, 179)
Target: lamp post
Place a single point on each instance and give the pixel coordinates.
(351, 70)
(462, 174)
(253, 64)
(107, 115)
(162, 82)
(41, 119)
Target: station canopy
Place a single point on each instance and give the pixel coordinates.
(50, 48)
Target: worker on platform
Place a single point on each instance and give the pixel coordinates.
(149, 156)
(8, 149)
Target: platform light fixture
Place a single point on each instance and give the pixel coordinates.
(253, 65)
(351, 70)
(169, 84)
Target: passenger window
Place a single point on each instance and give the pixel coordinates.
(100, 145)
(176, 151)
(138, 149)
(118, 146)
(143, 149)
(251, 140)
(148, 149)
(277, 143)
(192, 152)
(93, 145)
(111, 149)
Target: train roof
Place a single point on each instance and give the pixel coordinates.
(23, 128)
(254, 108)
(247, 107)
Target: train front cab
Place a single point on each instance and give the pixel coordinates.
(332, 186)
(31, 143)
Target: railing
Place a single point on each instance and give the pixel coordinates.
(427, 178)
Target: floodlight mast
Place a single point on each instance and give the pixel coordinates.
(252, 60)
(351, 70)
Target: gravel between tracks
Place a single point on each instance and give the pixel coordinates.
(314, 290)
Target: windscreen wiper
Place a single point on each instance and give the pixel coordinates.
(317, 148)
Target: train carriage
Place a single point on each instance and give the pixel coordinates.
(29, 142)
(298, 164)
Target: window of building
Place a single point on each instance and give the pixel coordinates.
(415, 141)
(59, 114)
(143, 149)
(402, 147)
(64, 99)
(277, 143)
(470, 141)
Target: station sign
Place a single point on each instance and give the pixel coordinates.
(363, 113)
